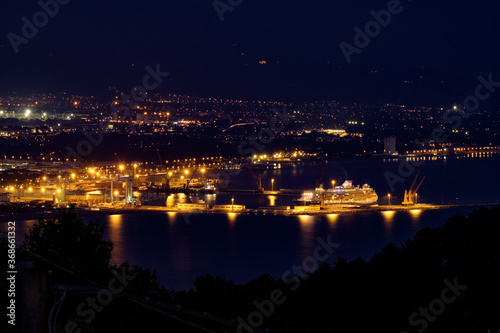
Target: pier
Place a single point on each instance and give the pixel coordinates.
(285, 210)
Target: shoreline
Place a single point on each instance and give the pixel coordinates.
(261, 211)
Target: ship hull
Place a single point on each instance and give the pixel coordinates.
(345, 195)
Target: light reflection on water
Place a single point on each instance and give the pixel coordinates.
(243, 246)
(388, 217)
(177, 249)
(231, 217)
(332, 219)
(415, 215)
(117, 237)
(171, 218)
(307, 223)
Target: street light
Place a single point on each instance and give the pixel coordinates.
(202, 173)
(333, 184)
(389, 197)
(272, 185)
(232, 202)
(416, 198)
(134, 176)
(121, 167)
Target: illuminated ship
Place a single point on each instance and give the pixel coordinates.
(208, 188)
(346, 194)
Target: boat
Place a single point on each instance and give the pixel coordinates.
(208, 188)
(346, 194)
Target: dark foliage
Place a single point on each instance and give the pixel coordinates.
(380, 295)
(72, 243)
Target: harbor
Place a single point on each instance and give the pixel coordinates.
(280, 210)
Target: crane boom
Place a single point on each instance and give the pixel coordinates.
(189, 181)
(318, 181)
(409, 194)
(414, 181)
(416, 190)
(257, 179)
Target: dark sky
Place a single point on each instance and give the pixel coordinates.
(438, 47)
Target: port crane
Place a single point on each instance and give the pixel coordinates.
(410, 194)
(189, 181)
(318, 180)
(258, 179)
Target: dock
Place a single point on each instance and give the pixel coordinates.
(281, 210)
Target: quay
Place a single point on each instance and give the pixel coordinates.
(236, 209)
(284, 210)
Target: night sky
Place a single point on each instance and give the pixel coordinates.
(437, 47)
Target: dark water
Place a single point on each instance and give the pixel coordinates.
(241, 247)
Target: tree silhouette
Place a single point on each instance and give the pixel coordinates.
(72, 243)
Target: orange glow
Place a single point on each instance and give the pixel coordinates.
(388, 215)
(332, 218)
(231, 217)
